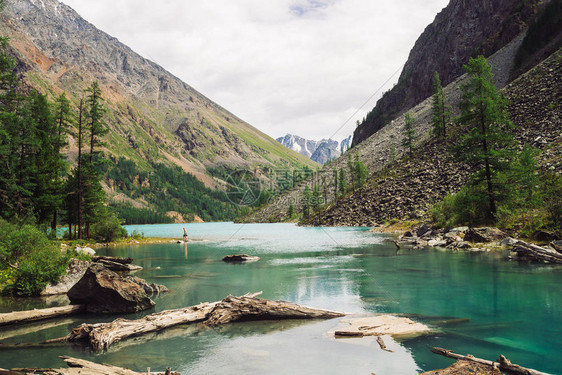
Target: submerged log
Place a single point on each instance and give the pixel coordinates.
(83, 367)
(41, 314)
(381, 325)
(239, 258)
(503, 364)
(31, 327)
(102, 335)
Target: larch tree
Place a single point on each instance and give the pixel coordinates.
(93, 195)
(487, 145)
(409, 133)
(440, 112)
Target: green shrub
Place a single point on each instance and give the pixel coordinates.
(108, 229)
(28, 259)
(550, 193)
(137, 235)
(467, 207)
(37, 269)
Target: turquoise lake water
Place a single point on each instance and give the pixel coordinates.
(513, 309)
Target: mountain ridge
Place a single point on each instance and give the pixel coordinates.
(60, 51)
(319, 151)
(460, 31)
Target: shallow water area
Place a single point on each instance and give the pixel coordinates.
(513, 309)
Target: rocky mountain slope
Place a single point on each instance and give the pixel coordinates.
(153, 116)
(407, 189)
(318, 151)
(380, 151)
(461, 30)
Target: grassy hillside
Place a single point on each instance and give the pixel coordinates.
(157, 123)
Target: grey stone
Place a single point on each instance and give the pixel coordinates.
(508, 241)
(105, 291)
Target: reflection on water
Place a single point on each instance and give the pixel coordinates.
(480, 304)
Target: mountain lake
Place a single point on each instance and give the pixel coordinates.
(478, 303)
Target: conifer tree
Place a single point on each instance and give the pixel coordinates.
(439, 109)
(360, 172)
(307, 195)
(93, 195)
(317, 198)
(487, 144)
(409, 133)
(351, 168)
(342, 182)
(10, 122)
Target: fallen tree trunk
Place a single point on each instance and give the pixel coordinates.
(232, 309)
(536, 253)
(41, 314)
(98, 258)
(503, 364)
(102, 335)
(83, 367)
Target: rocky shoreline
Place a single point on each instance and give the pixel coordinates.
(547, 250)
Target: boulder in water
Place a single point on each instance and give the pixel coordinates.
(105, 291)
(239, 258)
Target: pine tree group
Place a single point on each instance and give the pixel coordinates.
(34, 181)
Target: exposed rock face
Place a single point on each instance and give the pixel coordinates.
(402, 189)
(75, 271)
(462, 30)
(318, 151)
(483, 235)
(381, 155)
(326, 151)
(149, 289)
(104, 291)
(345, 144)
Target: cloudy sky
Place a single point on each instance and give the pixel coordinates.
(285, 66)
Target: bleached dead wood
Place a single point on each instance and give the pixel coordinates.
(102, 335)
(40, 314)
(112, 259)
(83, 367)
(503, 364)
(536, 253)
(381, 325)
(232, 309)
(381, 343)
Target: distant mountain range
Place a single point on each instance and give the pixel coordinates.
(319, 151)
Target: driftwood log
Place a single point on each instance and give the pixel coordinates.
(98, 258)
(83, 367)
(529, 251)
(101, 336)
(41, 314)
(503, 364)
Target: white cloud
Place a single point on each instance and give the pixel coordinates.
(285, 66)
